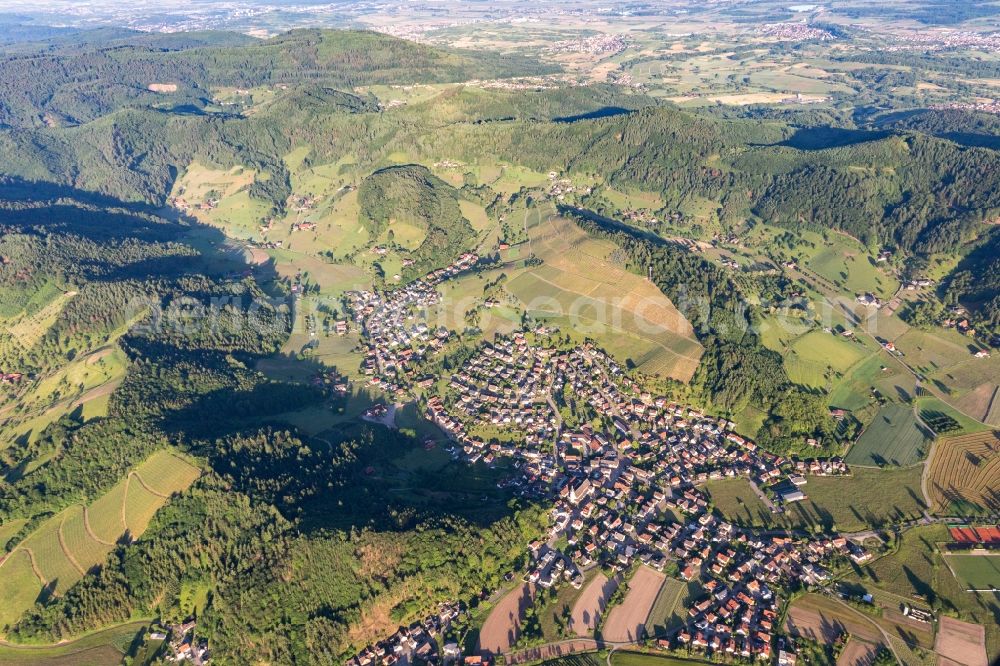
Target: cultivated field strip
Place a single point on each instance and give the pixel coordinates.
(628, 314)
(65, 547)
(964, 472)
(163, 473)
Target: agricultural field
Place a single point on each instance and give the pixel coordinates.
(84, 383)
(140, 505)
(961, 643)
(627, 658)
(164, 473)
(946, 359)
(669, 611)
(975, 571)
(556, 617)
(591, 603)
(199, 182)
(916, 569)
(55, 565)
(26, 328)
(895, 438)
(101, 648)
(19, 586)
(105, 516)
(865, 499)
(627, 621)
(879, 373)
(220, 197)
(823, 619)
(502, 627)
(63, 548)
(818, 359)
(944, 419)
(633, 200)
(982, 402)
(857, 652)
(932, 351)
(846, 264)
(85, 549)
(10, 528)
(962, 474)
(623, 312)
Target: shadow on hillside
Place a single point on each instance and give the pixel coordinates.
(603, 112)
(59, 209)
(819, 138)
(972, 139)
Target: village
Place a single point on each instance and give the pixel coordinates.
(622, 469)
(395, 338)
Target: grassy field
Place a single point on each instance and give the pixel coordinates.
(817, 358)
(878, 373)
(26, 329)
(84, 383)
(634, 200)
(10, 528)
(19, 586)
(976, 572)
(962, 476)
(930, 351)
(944, 419)
(846, 264)
(236, 212)
(946, 359)
(895, 438)
(555, 611)
(868, 498)
(823, 619)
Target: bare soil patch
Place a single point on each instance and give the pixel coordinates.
(591, 604)
(961, 642)
(857, 653)
(502, 627)
(824, 620)
(627, 622)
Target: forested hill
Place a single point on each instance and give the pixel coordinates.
(918, 192)
(79, 82)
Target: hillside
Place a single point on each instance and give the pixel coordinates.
(404, 199)
(84, 80)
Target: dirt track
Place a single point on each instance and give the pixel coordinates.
(503, 625)
(590, 605)
(626, 622)
(546, 652)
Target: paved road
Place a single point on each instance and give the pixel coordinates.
(764, 498)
